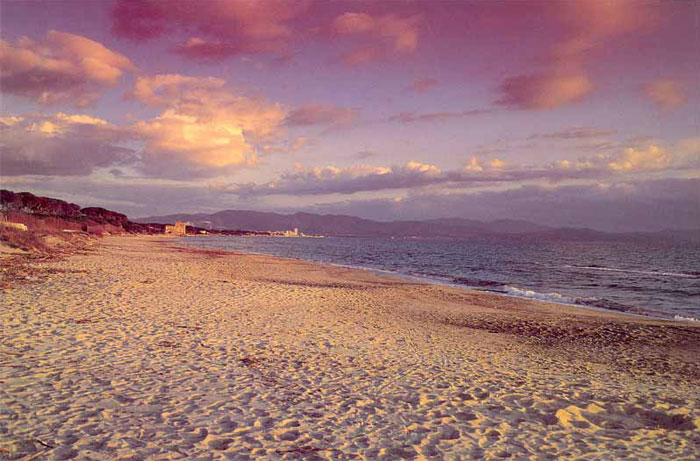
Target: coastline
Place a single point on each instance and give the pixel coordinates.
(511, 291)
(144, 348)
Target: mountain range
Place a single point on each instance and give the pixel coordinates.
(238, 222)
(352, 226)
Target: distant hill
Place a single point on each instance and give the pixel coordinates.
(245, 222)
(352, 226)
(16, 204)
(348, 226)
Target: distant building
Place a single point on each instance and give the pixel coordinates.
(179, 228)
(291, 233)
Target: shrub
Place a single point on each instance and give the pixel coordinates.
(24, 240)
(45, 224)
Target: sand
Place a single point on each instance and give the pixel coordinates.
(141, 350)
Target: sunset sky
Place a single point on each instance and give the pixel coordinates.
(580, 113)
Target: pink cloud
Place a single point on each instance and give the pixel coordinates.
(63, 68)
(169, 89)
(543, 91)
(667, 94)
(594, 23)
(233, 27)
(354, 23)
(564, 78)
(197, 48)
(360, 56)
(604, 18)
(390, 34)
(400, 32)
(204, 129)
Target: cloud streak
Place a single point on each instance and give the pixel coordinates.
(475, 173)
(413, 117)
(577, 132)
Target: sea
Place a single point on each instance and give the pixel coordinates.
(656, 278)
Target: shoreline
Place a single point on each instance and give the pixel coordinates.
(542, 297)
(142, 348)
(437, 282)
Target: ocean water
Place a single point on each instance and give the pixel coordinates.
(659, 278)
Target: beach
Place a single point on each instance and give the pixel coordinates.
(136, 348)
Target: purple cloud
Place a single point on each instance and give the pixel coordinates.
(229, 27)
(64, 145)
(412, 117)
(577, 132)
(415, 175)
(320, 114)
(63, 68)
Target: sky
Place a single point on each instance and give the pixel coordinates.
(567, 113)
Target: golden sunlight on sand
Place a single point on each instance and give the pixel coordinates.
(138, 349)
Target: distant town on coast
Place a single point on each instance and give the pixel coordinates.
(45, 213)
(24, 211)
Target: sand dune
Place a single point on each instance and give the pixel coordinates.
(140, 350)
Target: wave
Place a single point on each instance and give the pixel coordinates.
(597, 303)
(683, 318)
(687, 275)
(604, 303)
(477, 282)
(642, 289)
(649, 288)
(525, 293)
(594, 303)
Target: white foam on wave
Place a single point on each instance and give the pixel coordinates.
(524, 293)
(683, 318)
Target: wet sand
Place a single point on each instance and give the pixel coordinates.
(138, 349)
